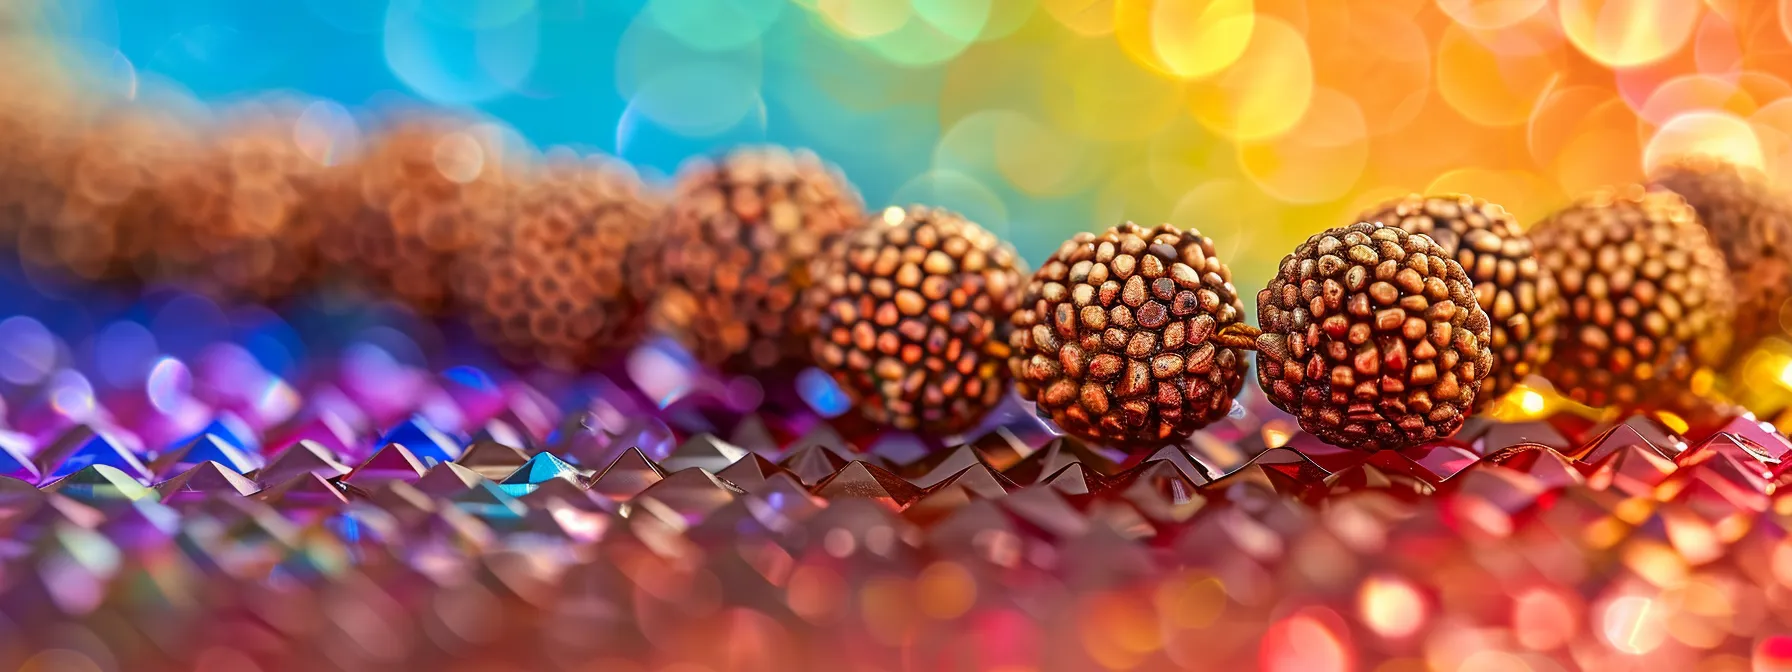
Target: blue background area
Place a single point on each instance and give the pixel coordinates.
(345, 50)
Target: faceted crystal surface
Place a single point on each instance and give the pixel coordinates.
(458, 519)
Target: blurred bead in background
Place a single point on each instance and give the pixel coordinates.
(550, 285)
(731, 258)
(1647, 296)
(1519, 296)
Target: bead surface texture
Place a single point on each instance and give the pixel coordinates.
(1372, 338)
(908, 318)
(1115, 338)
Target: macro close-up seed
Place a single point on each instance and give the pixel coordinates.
(550, 288)
(731, 257)
(1647, 297)
(1372, 338)
(1117, 336)
(428, 187)
(1518, 295)
(908, 316)
(1751, 224)
(42, 118)
(116, 220)
(254, 202)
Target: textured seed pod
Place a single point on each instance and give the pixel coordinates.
(1372, 338)
(1752, 225)
(909, 318)
(731, 260)
(250, 207)
(1520, 298)
(430, 187)
(114, 220)
(1115, 336)
(548, 287)
(40, 123)
(1648, 300)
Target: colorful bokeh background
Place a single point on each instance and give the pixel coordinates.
(1257, 121)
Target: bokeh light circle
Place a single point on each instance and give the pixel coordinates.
(865, 18)
(692, 92)
(455, 55)
(962, 20)
(1391, 607)
(1633, 624)
(1628, 33)
(124, 353)
(1015, 148)
(1490, 14)
(1494, 84)
(1383, 62)
(1688, 93)
(326, 133)
(1006, 17)
(1304, 643)
(939, 31)
(1543, 619)
(1265, 93)
(1036, 158)
(1708, 133)
(1319, 159)
(28, 351)
(1773, 129)
(716, 25)
(1098, 93)
(1716, 46)
(1185, 38)
(1586, 137)
(1785, 14)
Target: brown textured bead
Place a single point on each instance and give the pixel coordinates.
(116, 220)
(931, 358)
(1139, 365)
(1518, 295)
(731, 259)
(247, 211)
(549, 287)
(41, 118)
(1648, 299)
(1752, 225)
(429, 185)
(1360, 371)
